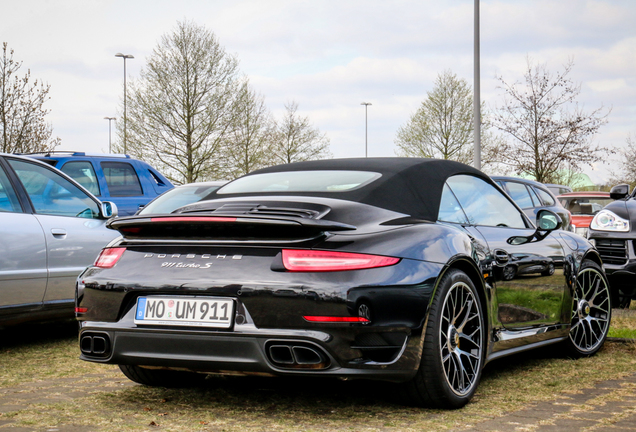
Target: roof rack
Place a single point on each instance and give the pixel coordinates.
(77, 153)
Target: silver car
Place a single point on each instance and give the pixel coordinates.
(51, 228)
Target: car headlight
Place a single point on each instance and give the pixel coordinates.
(605, 220)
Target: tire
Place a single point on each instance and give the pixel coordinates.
(549, 271)
(509, 272)
(622, 301)
(453, 350)
(591, 311)
(161, 377)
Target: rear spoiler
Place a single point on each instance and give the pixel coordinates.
(226, 227)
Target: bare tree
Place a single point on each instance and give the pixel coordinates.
(549, 131)
(627, 168)
(248, 144)
(297, 140)
(182, 108)
(442, 127)
(22, 115)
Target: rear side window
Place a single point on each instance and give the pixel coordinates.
(545, 197)
(121, 179)
(519, 193)
(83, 173)
(8, 199)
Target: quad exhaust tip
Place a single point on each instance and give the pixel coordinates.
(95, 345)
(297, 356)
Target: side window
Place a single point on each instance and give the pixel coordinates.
(52, 194)
(519, 193)
(83, 173)
(121, 179)
(8, 199)
(483, 204)
(449, 208)
(545, 197)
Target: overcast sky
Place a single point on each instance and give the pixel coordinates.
(329, 56)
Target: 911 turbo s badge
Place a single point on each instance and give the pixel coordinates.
(191, 264)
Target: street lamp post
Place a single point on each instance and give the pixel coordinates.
(110, 119)
(477, 93)
(366, 105)
(125, 56)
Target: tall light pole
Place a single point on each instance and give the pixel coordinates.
(110, 119)
(477, 95)
(366, 105)
(125, 56)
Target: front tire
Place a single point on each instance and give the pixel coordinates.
(591, 311)
(453, 350)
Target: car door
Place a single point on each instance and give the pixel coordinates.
(123, 184)
(530, 284)
(23, 270)
(72, 224)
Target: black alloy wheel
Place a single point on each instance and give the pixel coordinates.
(453, 351)
(591, 311)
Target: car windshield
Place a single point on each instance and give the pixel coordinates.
(178, 197)
(300, 181)
(585, 205)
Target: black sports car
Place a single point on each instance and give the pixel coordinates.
(613, 231)
(391, 269)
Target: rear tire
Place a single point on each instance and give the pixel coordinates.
(591, 311)
(161, 377)
(453, 350)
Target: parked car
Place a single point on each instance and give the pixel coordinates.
(558, 189)
(382, 268)
(613, 232)
(128, 182)
(51, 229)
(583, 206)
(180, 196)
(533, 196)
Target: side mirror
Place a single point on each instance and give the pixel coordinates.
(619, 191)
(109, 209)
(548, 220)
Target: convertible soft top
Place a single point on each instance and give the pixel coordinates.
(412, 186)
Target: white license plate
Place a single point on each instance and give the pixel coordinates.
(185, 311)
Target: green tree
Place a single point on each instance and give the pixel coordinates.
(23, 126)
(548, 131)
(297, 140)
(442, 127)
(182, 109)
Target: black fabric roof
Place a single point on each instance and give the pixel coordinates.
(412, 186)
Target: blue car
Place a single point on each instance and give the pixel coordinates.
(128, 182)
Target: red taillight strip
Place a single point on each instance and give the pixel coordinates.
(297, 260)
(81, 310)
(333, 319)
(193, 219)
(108, 257)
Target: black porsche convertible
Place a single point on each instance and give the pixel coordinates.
(384, 268)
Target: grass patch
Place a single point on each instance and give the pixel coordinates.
(45, 374)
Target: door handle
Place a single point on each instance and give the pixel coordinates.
(501, 256)
(58, 232)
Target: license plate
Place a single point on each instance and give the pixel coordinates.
(188, 311)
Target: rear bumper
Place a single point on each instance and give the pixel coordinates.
(244, 351)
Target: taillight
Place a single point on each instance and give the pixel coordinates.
(327, 261)
(108, 257)
(193, 219)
